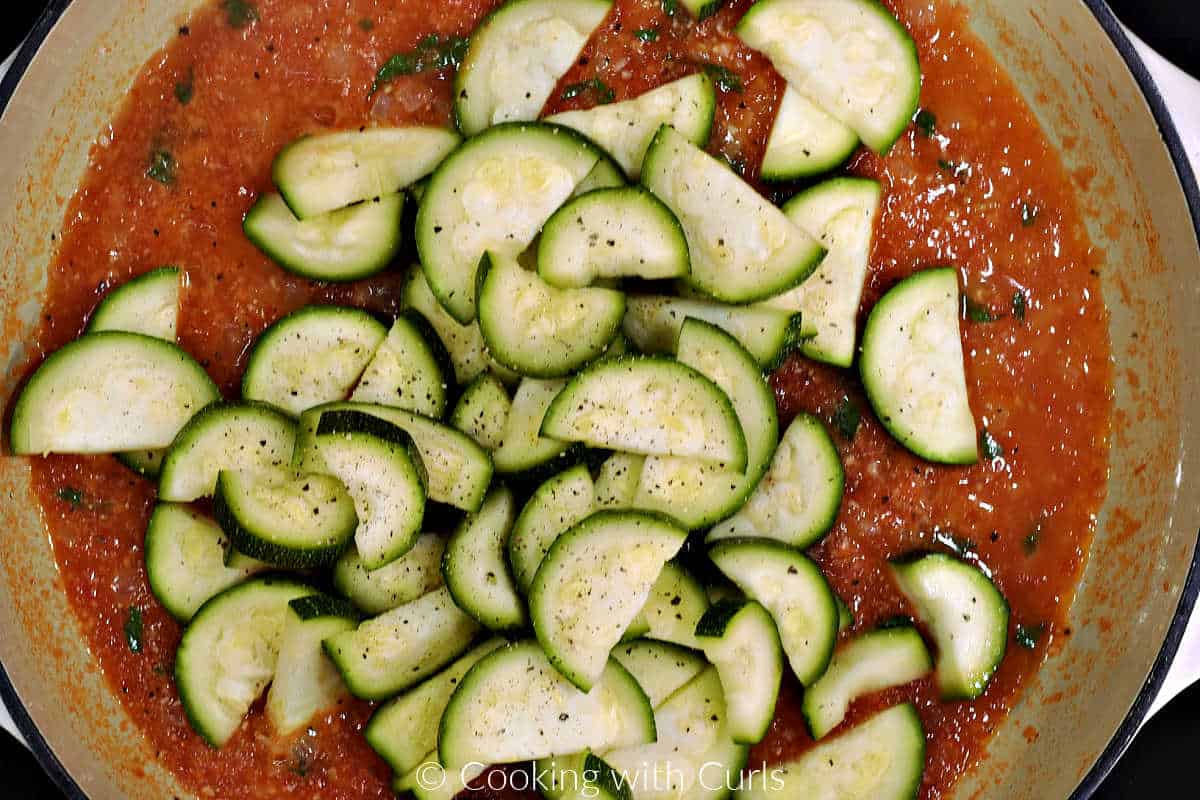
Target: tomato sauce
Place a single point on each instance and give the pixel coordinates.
(981, 189)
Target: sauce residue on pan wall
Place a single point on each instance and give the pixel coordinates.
(981, 189)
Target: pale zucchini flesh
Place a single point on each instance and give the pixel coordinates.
(851, 57)
(413, 575)
(660, 668)
(147, 304)
(742, 248)
(523, 447)
(312, 356)
(109, 392)
(805, 141)
(912, 368)
(322, 173)
(593, 582)
(408, 370)
(798, 499)
(306, 682)
(625, 129)
(476, 571)
(612, 233)
(651, 406)
(556, 506)
(482, 411)
(881, 759)
(740, 639)
(517, 56)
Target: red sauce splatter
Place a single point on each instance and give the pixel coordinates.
(1040, 382)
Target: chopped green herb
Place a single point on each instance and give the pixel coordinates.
(991, 448)
(239, 13)
(185, 89)
(1029, 635)
(1032, 540)
(133, 630)
(898, 621)
(646, 34)
(846, 418)
(162, 167)
(367, 24)
(70, 495)
(977, 312)
(926, 123)
(431, 53)
(601, 91)
(670, 7)
(725, 79)
(1019, 304)
(1029, 214)
(960, 546)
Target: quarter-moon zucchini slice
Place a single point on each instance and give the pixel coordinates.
(742, 248)
(591, 585)
(147, 304)
(967, 616)
(851, 57)
(805, 141)
(652, 406)
(625, 129)
(319, 174)
(109, 392)
(912, 368)
(517, 56)
(476, 571)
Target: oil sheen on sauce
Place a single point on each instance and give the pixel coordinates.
(982, 190)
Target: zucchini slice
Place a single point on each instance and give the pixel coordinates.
(967, 616)
(494, 194)
(229, 436)
(312, 356)
(457, 471)
(147, 463)
(805, 141)
(185, 560)
(591, 585)
(147, 304)
(880, 759)
(912, 368)
(306, 682)
(695, 492)
(625, 129)
(468, 352)
(841, 214)
(676, 604)
(106, 393)
(346, 245)
(742, 248)
(624, 232)
(790, 586)
(617, 483)
(513, 706)
(516, 57)
(798, 500)
(404, 731)
(581, 776)
(851, 57)
(538, 330)
(415, 574)
(605, 175)
(869, 663)
(652, 406)
(555, 507)
(410, 370)
(381, 469)
(288, 520)
(229, 652)
(482, 411)
(389, 653)
(523, 450)
(476, 571)
(695, 756)
(653, 324)
(660, 668)
(740, 639)
(322, 173)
